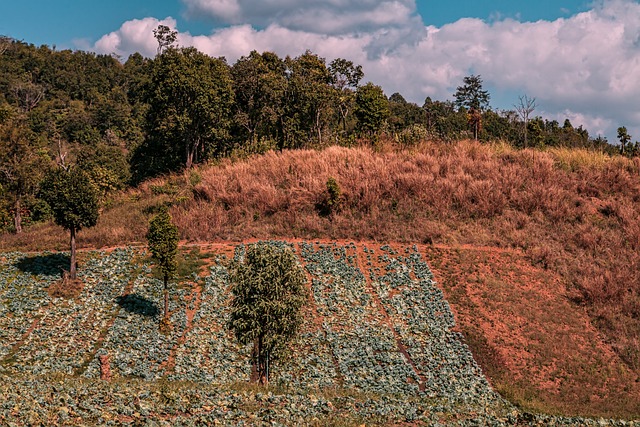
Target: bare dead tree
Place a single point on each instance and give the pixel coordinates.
(28, 94)
(524, 108)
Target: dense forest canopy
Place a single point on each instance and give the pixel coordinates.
(125, 121)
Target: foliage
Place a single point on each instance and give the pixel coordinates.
(268, 293)
(162, 240)
(23, 162)
(190, 96)
(165, 37)
(475, 99)
(372, 109)
(72, 198)
(259, 84)
(332, 198)
(74, 203)
(308, 102)
(471, 95)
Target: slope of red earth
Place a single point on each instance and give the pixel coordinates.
(538, 349)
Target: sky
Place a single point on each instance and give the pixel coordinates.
(580, 59)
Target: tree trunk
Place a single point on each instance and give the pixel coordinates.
(259, 370)
(166, 299)
(17, 218)
(262, 366)
(189, 157)
(72, 269)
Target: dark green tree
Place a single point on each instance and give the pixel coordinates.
(625, 139)
(190, 97)
(23, 161)
(372, 109)
(472, 97)
(309, 100)
(259, 84)
(269, 290)
(74, 203)
(162, 239)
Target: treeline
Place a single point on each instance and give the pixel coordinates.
(124, 121)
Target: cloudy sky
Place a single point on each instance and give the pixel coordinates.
(580, 59)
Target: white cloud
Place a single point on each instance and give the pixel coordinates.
(584, 67)
(317, 16)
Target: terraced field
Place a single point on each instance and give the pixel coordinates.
(378, 346)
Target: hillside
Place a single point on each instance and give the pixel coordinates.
(536, 251)
(376, 325)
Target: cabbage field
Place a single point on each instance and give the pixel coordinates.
(377, 346)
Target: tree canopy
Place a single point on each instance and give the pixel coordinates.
(73, 201)
(268, 288)
(162, 240)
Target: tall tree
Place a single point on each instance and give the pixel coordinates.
(372, 109)
(74, 203)
(345, 78)
(190, 97)
(23, 161)
(624, 138)
(308, 100)
(269, 290)
(259, 84)
(163, 244)
(475, 99)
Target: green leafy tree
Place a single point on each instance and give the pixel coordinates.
(269, 290)
(308, 101)
(372, 109)
(74, 203)
(259, 84)
(625, 139)
(475, 99)
(23, 161)
(163, 239)
(190, 96)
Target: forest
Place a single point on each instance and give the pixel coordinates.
(123, 121)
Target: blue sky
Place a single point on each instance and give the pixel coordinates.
(579, 59)
(62, 22)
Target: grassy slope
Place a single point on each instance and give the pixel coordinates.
(571, 213)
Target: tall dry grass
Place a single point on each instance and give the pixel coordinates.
(572, 211)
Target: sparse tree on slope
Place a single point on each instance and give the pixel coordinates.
(74, 202)
(163, 244)
(269, 290)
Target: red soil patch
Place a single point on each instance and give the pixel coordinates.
(538, 348)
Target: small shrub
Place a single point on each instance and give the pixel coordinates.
(331, 202)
